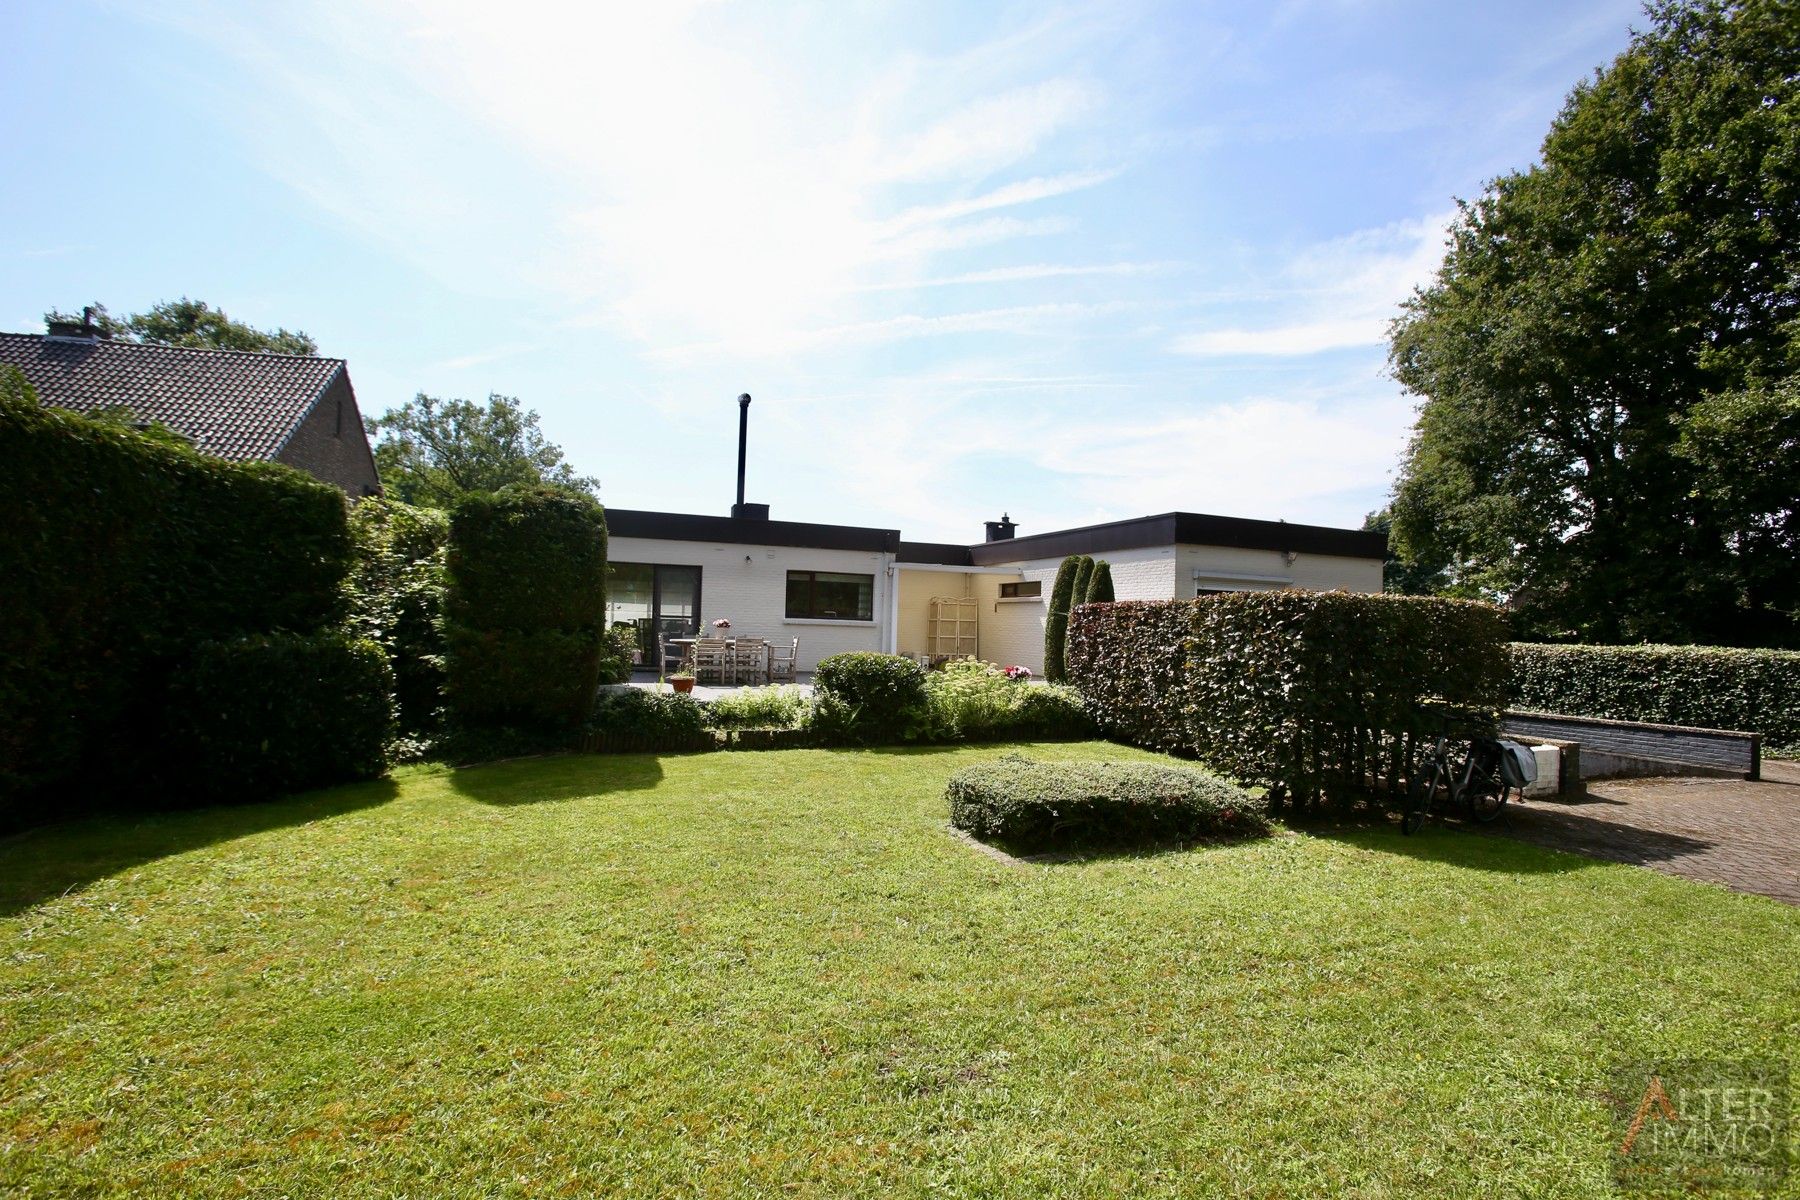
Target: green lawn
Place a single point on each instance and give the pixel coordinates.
(776, 973)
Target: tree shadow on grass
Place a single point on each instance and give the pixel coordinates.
(1515, 844)
(556, 777)
(54, 860)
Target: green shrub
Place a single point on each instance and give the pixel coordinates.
(616, 648)
(1034, 806)
(396, 600)
(970, 699)
(1078, 589)
(1056, 621)
(525, 607)
(1050, 710)
(638, 712)
(257, 716)
(1712, 687)
(759, 708)
(1308, 693)
(873, 699)
(1100, 584)
(122, 553)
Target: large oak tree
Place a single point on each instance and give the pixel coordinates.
(1609, 437)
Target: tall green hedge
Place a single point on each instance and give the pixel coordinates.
(1712, 687)
(257, 716)
(1056, 621)
(121, 554)
(1312, 694)
(396, 600)
(525, 609)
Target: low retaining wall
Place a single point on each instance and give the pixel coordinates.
(1614, 748)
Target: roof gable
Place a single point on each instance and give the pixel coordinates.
(233, 404)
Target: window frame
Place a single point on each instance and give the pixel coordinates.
(812, 612)
(1036, 592)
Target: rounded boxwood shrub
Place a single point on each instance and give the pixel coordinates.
(870, 698)
(257, 716)
(1032, 806)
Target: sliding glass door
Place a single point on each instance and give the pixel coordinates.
(657, 601)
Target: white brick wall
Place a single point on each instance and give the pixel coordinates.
(753, 594)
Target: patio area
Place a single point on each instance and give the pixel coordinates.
(647, 681)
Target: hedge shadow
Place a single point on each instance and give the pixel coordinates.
(49, 861)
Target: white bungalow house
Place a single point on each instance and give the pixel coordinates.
(844, 587)
(841, 587)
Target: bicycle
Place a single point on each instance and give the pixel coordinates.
(1478, 780)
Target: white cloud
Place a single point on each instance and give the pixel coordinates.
(667, 176)
(1335, 294)
(1023, 274)
(990, 133)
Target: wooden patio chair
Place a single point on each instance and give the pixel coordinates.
(712, 657)
(782, 660)
(750, 660)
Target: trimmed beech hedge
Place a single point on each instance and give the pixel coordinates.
(258, 716)
(1033, 806)
(525, 608)
(122, 553)
(873, 699)
(1312, 694)
(1712, 687)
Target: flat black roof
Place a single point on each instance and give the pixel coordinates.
(1182, 528)
(946, 554)
(1198, 529)
(743, 531)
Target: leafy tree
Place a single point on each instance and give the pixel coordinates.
(1100, 584)
(1606, 332)
(434, 452)
(1399, 576)
(1056, 621)
(194, 324)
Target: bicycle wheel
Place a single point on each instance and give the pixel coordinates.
(1483, 789)
(1419, 798)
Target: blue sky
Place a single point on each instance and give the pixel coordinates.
(1075, 262)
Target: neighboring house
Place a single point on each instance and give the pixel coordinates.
(283, 408)
(839, 587)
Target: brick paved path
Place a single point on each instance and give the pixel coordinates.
(1733, 832)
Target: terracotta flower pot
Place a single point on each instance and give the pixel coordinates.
(682, 685)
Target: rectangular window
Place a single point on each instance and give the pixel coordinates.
(830, 596)
(1017, 591)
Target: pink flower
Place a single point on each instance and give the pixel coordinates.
(722, 623)
(1017, 673)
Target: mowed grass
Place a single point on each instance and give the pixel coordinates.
(776, 973)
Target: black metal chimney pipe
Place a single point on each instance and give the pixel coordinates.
(743, 441)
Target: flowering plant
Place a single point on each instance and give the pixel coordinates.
(1017, 674)
(722, 624)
